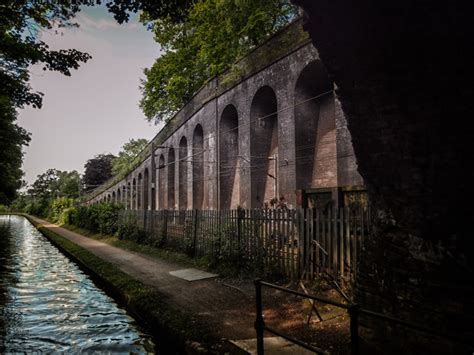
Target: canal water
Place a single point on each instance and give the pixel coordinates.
(47, 304)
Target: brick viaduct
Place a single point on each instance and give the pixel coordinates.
(270, 129)
(402, 77)
(403, 71)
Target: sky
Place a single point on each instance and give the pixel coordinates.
(95, 110)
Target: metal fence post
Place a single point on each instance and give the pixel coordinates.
(259, 324)
(353, 311)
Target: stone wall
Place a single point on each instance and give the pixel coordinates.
(402, 72)
(270, 95)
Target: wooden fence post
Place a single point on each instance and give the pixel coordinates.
(195, 224)
(164, 233)
(301, 245)
(240, 216)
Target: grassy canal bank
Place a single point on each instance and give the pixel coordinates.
(175, 331)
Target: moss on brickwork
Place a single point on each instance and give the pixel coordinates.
(276, 47)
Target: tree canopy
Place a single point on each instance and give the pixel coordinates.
(97, 171)
(206, 39)
(56, 183)
(12, 139)
(20, 46)
(124, 161)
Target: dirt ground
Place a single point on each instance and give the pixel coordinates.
(294, 316)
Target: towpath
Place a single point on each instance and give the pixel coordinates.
(229, 311)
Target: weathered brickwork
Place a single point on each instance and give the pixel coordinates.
(276, 130)
(402, 69)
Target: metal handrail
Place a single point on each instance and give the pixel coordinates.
(353, 310)
(260, 327)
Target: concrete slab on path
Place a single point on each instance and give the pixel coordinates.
(272, 346)
(192, 274)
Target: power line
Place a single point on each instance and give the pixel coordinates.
(212, 134)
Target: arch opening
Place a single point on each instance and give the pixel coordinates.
(229, 176)
(171, 180)
(161, 182)
(128, 196)
(315, 135)
(139, 191)
(134, 194)
(264, 148)
(198, 168)
(183, 174)
(146, 189)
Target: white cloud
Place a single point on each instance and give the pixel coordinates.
(86, 21)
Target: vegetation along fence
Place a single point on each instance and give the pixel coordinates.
(299, 244)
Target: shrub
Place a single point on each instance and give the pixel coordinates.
(81, 218)
(58, 206)
(128, 229)
(100, 218)
(3, 208)
(66, 214)
(38, 207)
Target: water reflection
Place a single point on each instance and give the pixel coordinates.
(48, 304)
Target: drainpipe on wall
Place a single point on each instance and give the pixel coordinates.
(218, 168)
(152, 198)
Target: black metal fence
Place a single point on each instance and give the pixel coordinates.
(299, 244)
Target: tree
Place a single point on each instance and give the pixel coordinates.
(69, 184)
(20, 47)
(20, 23)
(173, 9)
(204, 41)
(97, 171)
(45, 185)
(12, 139)
(56, 183)
(130, 150)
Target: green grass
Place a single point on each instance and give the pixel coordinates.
(146, 303)
(153, 252)
(225, 268)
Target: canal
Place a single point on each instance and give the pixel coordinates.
(47, 304)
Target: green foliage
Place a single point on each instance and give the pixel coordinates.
(97, 171)
(82, 218)
(37, 207)
(155, 8)
(12, 140)
(101, 218)
(45, 184)
(20, 47)
(56, 183)
(4, 208)
(124, 162)
(209, 37)
(128, 229)
(20, 23)
(60, 209)
(69, 184)
(52, 193)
